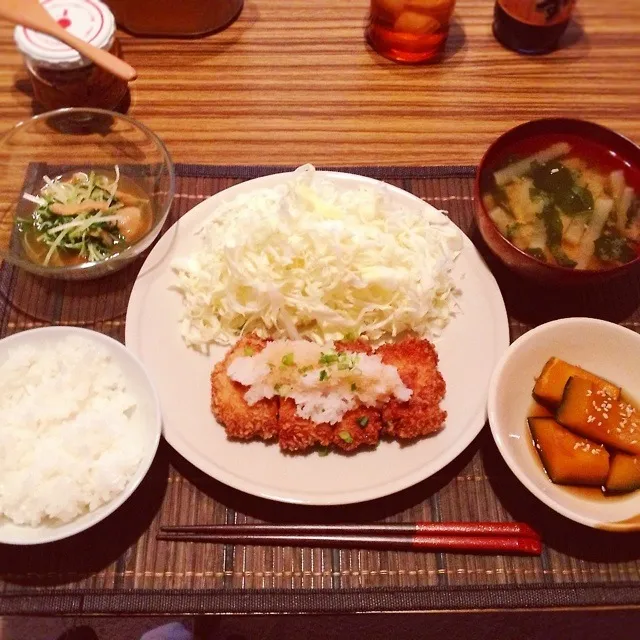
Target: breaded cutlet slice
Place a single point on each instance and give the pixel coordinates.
(417, 364)
(229, 406)
(355, 346)
(358, 427)
(298, 434)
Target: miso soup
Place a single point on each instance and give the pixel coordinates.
(567, 202)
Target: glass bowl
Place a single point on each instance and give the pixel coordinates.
(80, 139)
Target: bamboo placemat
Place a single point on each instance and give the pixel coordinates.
(119, 567)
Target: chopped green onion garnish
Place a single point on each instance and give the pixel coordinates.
(323, 375)
(353, 386)
(323, 451)
(248, 351)
(328, 358)
(346, 436)
(287, 360)
(363, 421)
(277, 387)
(347, 361)
(305, 369)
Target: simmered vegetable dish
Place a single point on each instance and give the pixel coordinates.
(83, 217)
(591, 435)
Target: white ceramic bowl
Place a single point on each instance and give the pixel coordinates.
(140, 386)
(607, 349)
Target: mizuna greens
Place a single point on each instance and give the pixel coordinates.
(82, 218)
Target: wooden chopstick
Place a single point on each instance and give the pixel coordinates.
(462, 543)
(507, 529)
(476, 537)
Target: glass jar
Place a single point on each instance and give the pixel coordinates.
(60, 76)
(531, 26)
(409, 30)
(171, 18)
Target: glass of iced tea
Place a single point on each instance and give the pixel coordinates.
(409, 30)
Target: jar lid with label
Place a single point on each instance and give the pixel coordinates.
(89, 20)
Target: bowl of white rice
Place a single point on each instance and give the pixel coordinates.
(80, 425)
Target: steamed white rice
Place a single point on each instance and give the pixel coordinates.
(70, 435)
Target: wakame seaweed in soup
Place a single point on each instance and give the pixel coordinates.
(566, 202)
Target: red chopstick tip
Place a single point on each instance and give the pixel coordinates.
(526, 531)
(530, 546)
(507, 529)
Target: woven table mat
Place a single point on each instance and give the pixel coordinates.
(119, 567)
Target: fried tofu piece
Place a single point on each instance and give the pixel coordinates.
(417, 364)
(240, 420)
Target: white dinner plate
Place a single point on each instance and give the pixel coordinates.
(469, 348)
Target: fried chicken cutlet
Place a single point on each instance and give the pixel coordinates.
(416, 361)
(417, 364)
(227, 399)
(358, 427)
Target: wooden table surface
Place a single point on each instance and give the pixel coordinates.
(293, 81)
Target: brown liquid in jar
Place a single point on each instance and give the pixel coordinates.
(409, 32)
(171, 18)
(88, 86)
(531, 38)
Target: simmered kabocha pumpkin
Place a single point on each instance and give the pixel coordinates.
(624, 473)
(554, 377)
(566, 457)
(588, 411)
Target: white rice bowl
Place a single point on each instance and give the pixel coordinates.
(87, 491)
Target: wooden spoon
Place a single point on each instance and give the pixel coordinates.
(31, 14)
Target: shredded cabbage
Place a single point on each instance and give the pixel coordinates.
(308, 259)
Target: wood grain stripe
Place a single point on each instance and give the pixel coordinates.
(291, 82)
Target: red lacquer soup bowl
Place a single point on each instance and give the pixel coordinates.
(604, 149)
